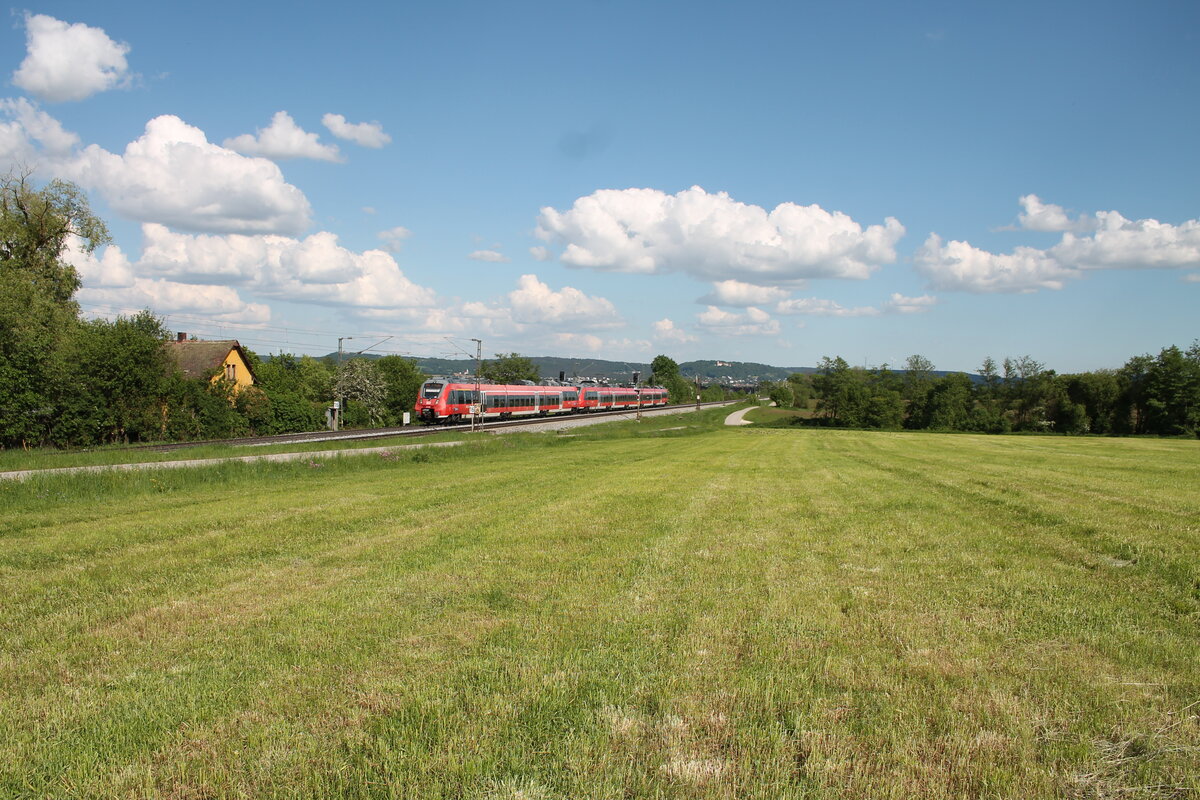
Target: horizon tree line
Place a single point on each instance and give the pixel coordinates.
(1149, 395)
(68, 381)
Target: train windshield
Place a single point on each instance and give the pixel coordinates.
(430, 391)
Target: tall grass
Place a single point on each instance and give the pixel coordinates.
(640, 612)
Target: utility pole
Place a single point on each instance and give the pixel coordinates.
(638, 389)
(477, 406)
(697, 392)
(339, 401)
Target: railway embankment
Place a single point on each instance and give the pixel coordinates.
(18, 475)
(525, 426)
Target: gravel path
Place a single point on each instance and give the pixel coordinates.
(738, 418)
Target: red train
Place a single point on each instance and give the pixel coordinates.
(447, 401)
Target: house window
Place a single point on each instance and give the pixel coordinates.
(231, 372)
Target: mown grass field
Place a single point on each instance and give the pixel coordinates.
(628, 613)
(49, 458)
(770, 414)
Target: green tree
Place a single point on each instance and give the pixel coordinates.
(1099, 394)
(1029, 390)
(362, 388)
(116, 382)
(662, 368)
(1171, 392)
(842, 393)
(38, 315)
(36, 226)
(299, 390)
(918, 381)
(198, 410)
(1131, 407)
(949, 403)
(781, 394)
(802, 389)
(885, 409)
(402, 380)
(664, 372)
(508, 368)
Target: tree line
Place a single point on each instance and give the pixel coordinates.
(68, 381)
(1156, 395)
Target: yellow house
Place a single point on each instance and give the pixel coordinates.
(214, 361)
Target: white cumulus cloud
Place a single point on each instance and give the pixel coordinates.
(1039, 216)
(69, 62)
(1111, 242)
(173, 175)
(109, 280)
(283, 139)
(1120, 243)
(611, 348)
(535, 302)
(31, 134)
(580, 341)
(315, 269)
(713, 237)
(824, 308)
(665, 330)
(217, 303)
(900, 304)
(106, 268)
(736, 293)
(393, 238)
(492, 256)
(957, 266)
(366, 134)
(754, 322)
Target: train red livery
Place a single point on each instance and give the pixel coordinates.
(448, 401)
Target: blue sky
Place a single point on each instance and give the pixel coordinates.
(770, 182)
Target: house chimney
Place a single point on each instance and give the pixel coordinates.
(181, 336)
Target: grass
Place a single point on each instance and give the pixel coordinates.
(50, 458)
(768, 414)
(634, 612)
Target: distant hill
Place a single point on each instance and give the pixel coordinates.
(730, 372)
(723, 372)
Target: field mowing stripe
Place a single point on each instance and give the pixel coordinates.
(20, 475)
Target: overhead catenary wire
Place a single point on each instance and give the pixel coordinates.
(256, 336)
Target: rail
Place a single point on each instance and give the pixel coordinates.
(406, 431)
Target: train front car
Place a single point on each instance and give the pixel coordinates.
(440, 401)
(430, 403)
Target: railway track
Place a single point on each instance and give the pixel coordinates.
(409, 431)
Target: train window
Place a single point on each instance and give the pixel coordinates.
(431, 390)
